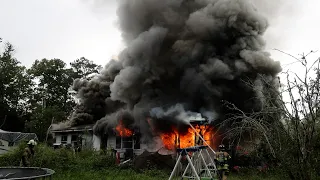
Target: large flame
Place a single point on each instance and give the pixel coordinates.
(190, 138)
(123, 131)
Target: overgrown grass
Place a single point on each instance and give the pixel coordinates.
(116, 174)
(60, 160)
(97, 165)
(87, 164)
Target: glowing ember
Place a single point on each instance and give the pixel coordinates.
(174, 139)
(123, 131)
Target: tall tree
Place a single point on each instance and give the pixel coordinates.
(55, 81)
(83, 68)
(15, 85)
(41, 120)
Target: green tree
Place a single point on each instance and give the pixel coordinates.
(41, 120)
(15, 86)
(83, 68)
(55, 80)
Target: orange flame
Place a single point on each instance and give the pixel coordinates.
(175, 139)
(123, 131)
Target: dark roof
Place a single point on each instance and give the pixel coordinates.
(75, 128)
(17, 136)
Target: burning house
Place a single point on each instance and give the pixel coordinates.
(128, 141)
(181, 58)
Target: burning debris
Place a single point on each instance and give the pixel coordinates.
(181, 57)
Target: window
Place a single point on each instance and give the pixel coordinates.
(136, 141)
(128, 142)
(64, 139)
(74, 138)
(118, 142)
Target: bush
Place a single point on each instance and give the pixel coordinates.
(60, 159)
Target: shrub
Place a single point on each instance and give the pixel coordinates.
(60, 159)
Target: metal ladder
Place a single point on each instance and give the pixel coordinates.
(197, 168)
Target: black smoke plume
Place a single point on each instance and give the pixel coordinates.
(182, 56)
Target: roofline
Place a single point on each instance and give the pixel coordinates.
(72, 130)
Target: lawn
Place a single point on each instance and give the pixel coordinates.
(108, 174)
(116, 174)
(91, 165)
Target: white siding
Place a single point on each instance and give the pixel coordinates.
(96, 142)
(58, 138)
(87, 140)
(69, 139)
(111, 142)
(4, 143)
(4, 146)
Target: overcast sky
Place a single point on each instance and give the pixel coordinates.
(69, 29)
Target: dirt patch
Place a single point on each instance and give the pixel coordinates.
(150, 160)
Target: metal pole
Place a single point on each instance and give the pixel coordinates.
(175, 167)
(202, 138)
(205, 164)
(186, 170)
(192, 167)
(212, 162)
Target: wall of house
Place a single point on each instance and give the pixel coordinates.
(96, 142)
(4, 146)
(88, 140)
(111, 143)
(58, 138)
(4, 143)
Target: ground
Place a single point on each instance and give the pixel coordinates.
(92, 165)
(132, 175)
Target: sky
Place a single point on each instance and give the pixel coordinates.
(65, 29)
(70, 29)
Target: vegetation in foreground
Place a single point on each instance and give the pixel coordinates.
(96, 165)
(147, 175)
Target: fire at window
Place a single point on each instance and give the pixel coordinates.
(189, 138)
(171, 139)
(123, 131)
(126, 138)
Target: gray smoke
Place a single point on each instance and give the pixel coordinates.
(182, 56)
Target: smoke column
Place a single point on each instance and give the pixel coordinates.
(181, 57)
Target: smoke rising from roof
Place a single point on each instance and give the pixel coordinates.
(181, 56)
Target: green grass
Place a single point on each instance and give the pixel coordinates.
(255, 177)
(91, 165)
(111, 174)
(117, 174)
